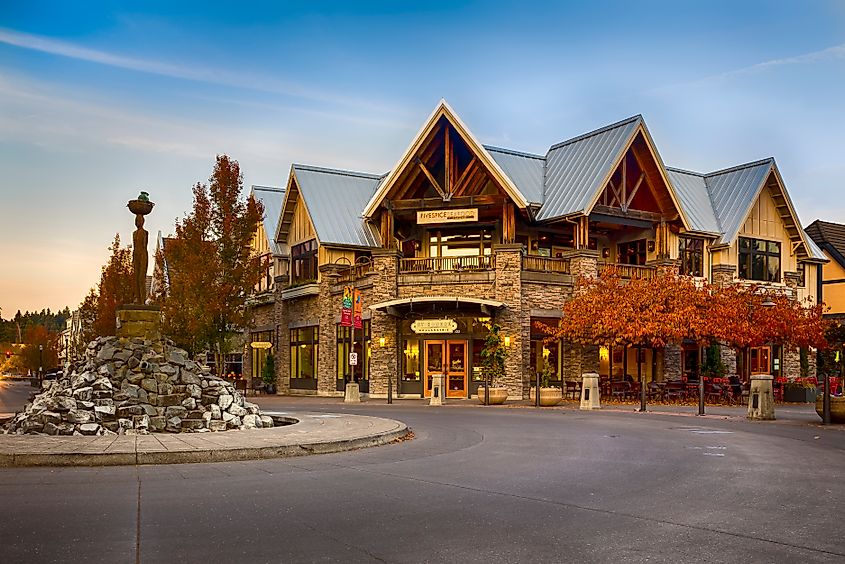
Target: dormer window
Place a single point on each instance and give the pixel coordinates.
(759, 260)
(304, 262)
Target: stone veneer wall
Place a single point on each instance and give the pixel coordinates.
(383, 360)
(672, 369)
(508, 290)
(293, 311)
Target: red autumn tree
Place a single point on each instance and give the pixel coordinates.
(210, 269)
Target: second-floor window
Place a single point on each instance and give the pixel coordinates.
(759, 260)
(304, 262)
(691, 253)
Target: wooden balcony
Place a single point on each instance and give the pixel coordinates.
(446, 264)
(538, 263)
(355, 272)
(629, 271)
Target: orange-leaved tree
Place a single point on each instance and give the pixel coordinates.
(210, 269)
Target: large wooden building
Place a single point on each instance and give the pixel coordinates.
(458, 234)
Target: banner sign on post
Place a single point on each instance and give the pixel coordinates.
(346, 307)
(358, 310)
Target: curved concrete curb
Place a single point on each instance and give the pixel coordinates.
(314, 433)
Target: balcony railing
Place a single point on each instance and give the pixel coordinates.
(446, 264)
(545, 264)
(630, 271)
(355, 272)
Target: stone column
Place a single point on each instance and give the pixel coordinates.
(672, 369)
(508, 290)
(283, 338)
(328, 306)
(584, 263)
(385, 287)
(723, 274)
(728, 355)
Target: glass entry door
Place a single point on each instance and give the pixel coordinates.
(450, 359)
(456, 369)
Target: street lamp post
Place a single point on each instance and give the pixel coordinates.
(40, 364)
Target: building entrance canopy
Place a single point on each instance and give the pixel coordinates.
(436, 304)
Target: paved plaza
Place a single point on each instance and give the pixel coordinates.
(475, 484)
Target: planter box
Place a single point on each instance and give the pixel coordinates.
(837, 408)
(799, 395)
(548, 396)
(498, 396)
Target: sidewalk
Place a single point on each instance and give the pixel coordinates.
(312, 433)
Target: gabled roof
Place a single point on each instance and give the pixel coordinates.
(694, 196)
(577, 169)
(734, 191)
(830, 237)
(524, 169)
(444, 110)
(272, 199)
(334, 200)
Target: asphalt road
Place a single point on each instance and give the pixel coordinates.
(475, 485)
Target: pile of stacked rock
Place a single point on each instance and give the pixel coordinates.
(136, 386)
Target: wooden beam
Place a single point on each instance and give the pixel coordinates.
(633, 214)
(433, 181)
(627, 204)
(464, 176)
(411, 174)
(455, 202)
(447, 163)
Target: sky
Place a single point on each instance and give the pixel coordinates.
(99, 100)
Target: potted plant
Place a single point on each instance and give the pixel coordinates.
(549, 395)
(268, 374)
(493, 363)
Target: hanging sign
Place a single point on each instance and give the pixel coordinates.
(447, 216)
(434, 326)
(357, 310)
(261, 345)
(346, 307)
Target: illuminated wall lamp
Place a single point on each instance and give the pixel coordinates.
(381, 341)
(507, 340)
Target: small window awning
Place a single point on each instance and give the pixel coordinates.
(402, 306)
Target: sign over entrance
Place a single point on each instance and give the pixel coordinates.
(434, 326)
(447, 216)
(261, 345)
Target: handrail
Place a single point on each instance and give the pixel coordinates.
(446, 264)
(630, 271)
(546, 264)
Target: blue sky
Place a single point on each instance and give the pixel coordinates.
(99, 100)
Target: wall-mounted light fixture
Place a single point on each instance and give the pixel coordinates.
(651, 246)
(605, 253)
(381, 341)
(507, 340)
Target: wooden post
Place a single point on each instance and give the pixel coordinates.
(386, 231)
(508, 223)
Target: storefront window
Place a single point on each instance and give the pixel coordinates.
(632, 252)
(259, 354)
(344, 337)
(545, 354)
(411, 360)
(303, 352)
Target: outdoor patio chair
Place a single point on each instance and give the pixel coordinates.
(674, 390)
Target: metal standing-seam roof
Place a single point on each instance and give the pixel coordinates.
(524, 169)
(334, 199)
(272, 199)
(694, 197)
(733, 192)
(576, 169)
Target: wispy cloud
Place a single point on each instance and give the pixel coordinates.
(191, 72)
(835, 52)
(827, 54)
